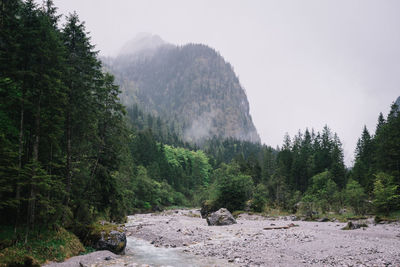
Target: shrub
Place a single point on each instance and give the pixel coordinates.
(355, 197)
(233, 188)
(322, 192)
(259, 198)
(43, 245)
(386, 197)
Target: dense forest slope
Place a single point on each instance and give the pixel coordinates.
(191, 85)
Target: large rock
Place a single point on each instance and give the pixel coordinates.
(113, 241)
(354, 225)
(221, 217)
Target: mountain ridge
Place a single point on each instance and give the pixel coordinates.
(193, 84)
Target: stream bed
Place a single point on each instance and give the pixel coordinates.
(145, 253)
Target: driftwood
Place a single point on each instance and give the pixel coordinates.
(140, 225)
(281, 227)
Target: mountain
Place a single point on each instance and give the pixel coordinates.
(398, 103)
(191, 85)
(142, 43)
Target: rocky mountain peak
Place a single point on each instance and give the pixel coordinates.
(141, 43)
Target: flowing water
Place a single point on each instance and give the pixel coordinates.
(145, 253)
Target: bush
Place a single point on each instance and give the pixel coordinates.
(386, 197)
(355, 197)
(43, 245)
(259, 198)
(322, 192)
(233, 189)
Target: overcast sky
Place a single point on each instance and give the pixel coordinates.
(302, 63)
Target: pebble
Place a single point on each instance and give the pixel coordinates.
(247, 245)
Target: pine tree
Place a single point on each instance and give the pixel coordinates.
(82, 76)
(363, 166)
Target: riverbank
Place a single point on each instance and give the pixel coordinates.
(253, 241)
(182, 238)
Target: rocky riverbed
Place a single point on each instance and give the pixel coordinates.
(260, 241)
(182, 238)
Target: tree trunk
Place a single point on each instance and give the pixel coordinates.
(35, 161)
(68, 167)
(20, 148)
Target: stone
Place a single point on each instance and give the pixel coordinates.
(353, 225)
(342, 211)
(115, 242)
(221, 217)
(157, 208)
(323, 219)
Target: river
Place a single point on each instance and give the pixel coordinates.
(142, 252)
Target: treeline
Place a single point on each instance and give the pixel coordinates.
(308, 175)
(164, 131)
(377, 161)
(166, 175)
(280, 178)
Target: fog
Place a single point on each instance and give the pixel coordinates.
(302, 63)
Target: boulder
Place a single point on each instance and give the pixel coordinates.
(354, 225)
(221, 217)
(113, 241)
(157, 208)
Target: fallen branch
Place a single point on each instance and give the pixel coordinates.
(281, 227)
(139, 225)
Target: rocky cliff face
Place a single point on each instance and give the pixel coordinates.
(191, 85)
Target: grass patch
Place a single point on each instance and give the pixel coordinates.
(191, 214)
(88, 250)
(177, 208)
(236, 213)
(275, 212)
(392, 217)
(43, 245)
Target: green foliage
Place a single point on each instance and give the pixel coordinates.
(387, 145)
(386, 193)
(355, 197)
(191, 167)
(322, 192)
(62, 127)
(307, 155)
(259, 198)
(43, 245)
(233, 188)
(364, 160)
(279, 192)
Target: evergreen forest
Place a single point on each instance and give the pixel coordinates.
(71, 154)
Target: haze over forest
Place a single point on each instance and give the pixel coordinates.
(302, 64)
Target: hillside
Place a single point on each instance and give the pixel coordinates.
(191, 85)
